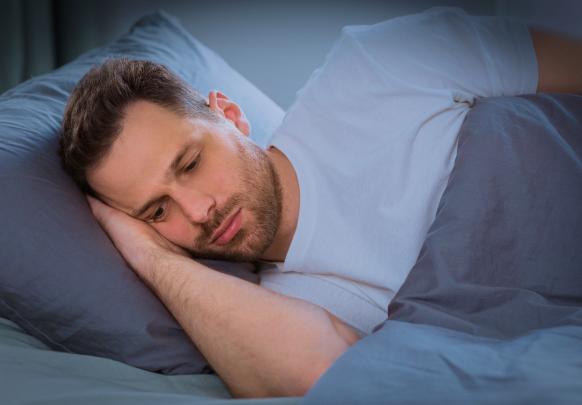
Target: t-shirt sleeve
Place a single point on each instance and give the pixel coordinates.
(444, 48)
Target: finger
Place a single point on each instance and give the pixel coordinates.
(100, 210)
(92, 201)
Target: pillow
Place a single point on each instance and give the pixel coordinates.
(62, 280)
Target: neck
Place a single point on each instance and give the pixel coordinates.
(290, 201)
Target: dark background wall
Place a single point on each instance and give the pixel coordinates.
(276, 44)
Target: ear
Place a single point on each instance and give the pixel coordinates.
(229, 110)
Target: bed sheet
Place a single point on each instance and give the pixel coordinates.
(31, 373)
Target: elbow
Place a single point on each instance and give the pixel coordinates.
(296, 359)
(311, 374)
(325, 350)
(306, 375)
(294, 382)
(299, 376)
(294, 385)
(331, 346)
(298, 382)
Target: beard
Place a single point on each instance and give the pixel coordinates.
(262, 198)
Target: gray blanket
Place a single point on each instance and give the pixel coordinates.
(492, 310)
(504, 254)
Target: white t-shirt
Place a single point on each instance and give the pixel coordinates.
(373, 137)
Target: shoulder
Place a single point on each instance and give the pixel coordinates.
(409, 35)
(393, 40)
(431, 21)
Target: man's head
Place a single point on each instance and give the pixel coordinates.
(145, 142)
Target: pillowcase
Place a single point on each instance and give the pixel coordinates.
(62, 280)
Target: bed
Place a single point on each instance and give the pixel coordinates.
(490, 313)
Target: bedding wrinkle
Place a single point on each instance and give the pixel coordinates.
(462, 376)
(32, 327)
(503, 255)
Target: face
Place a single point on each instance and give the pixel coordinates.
(203, 185)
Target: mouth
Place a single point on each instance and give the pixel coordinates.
(228, 229)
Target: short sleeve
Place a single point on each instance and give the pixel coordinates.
(444, 48)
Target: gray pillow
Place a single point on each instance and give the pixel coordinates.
(62, 280)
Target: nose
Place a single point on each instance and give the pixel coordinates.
(196, 206)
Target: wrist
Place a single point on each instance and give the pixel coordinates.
(148, 259)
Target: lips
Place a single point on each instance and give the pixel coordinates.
(228, 229)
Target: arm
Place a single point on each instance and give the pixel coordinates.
(260, 342)
(559, 62)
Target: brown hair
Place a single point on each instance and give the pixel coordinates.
(94, 114)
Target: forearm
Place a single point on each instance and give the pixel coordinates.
(559, 62)
(260, 342)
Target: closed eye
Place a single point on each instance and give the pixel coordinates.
(192, 165)
(159, 213)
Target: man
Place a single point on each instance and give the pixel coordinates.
(343, 196)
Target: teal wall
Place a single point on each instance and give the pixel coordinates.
(276, 44)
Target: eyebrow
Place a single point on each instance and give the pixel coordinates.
(169, 172)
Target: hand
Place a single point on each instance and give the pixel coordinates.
(138, 242)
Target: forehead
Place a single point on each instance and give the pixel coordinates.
(137, 162)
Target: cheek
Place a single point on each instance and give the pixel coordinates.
(220, 181)
(178, 231)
